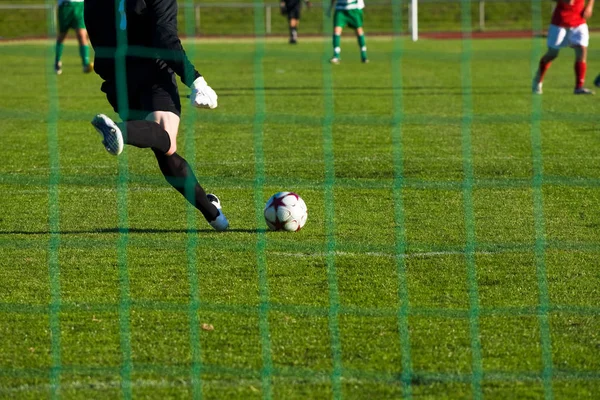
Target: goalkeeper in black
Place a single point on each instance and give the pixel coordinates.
(137, 54)
(292, 8)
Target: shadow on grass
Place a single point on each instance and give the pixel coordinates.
(129, 231)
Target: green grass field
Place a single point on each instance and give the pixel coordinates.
(237, 17)
(452, 248)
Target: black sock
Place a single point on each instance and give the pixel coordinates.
(180, 175)
(144, 134)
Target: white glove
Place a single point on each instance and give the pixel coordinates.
(203, 96)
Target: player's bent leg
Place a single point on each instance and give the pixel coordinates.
(169, 121)
(545, 61)
(112, 137)
(145, 134)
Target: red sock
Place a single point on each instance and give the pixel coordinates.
(543, 68)
(580, 68)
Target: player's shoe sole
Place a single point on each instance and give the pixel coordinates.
(583, 91)
(335, 60)
(220, 223)
(112, 138)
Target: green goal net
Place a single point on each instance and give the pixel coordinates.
(452, 248)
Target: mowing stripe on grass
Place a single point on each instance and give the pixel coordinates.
(70, 240)
(192, 236)
(122, 212)
(303, 310)
(53, 215)
(329, 200)
(398, 149)
(469, 212)
(538, 214)
(84, 184)
(357, 120)
(293, 375)
(259, 178)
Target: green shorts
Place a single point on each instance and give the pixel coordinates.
(351, 18)
(70, 16)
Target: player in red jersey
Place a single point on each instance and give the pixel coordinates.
(567, 28)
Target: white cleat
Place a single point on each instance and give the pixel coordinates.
(536, 86)
(582, 90)
(112, 138)
(220, 223)
(58, 68)
(335, 60)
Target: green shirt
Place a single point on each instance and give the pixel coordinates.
(349, 4)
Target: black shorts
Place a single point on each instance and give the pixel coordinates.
(146, 97)
(292, 9)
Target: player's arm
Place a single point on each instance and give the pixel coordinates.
(588, 10)
(167, 41)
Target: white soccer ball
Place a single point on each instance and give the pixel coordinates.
(285, 211)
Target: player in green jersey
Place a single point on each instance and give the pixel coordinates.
(348, 13)
(70, 16)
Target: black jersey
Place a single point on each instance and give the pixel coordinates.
(149, 30)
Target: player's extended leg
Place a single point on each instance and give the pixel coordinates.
(293, 30)
(151, 133)
(60, 39)
(362, 44)
(580, 70)
(337, 38)
(84, 50)
(179, 174)
(545, 61)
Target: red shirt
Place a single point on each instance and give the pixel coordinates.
(568, 16)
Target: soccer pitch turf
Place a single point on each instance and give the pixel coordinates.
(452, 248)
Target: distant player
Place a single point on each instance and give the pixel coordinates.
(147, 96)
(348, 13)
(567, 28)
(70, 16)
(292, 8)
